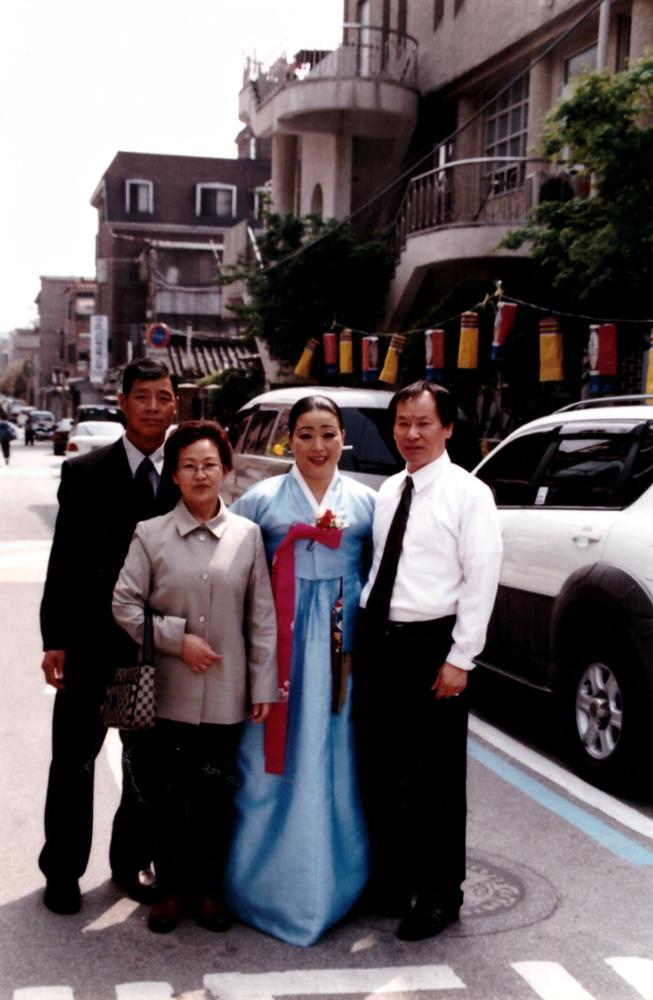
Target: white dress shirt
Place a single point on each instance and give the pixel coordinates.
(451, 553)
(135, 457)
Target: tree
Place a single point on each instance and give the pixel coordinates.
(232, 388)
(598, 250)
(311, 274)
(13, 381)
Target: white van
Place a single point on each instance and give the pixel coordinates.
(259, 435)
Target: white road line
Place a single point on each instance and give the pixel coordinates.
(626, 815)
(374, 982)
(23, 562)
(116, 914)
(144, 991)
(551, 981)
(638, 973)
(44, 993)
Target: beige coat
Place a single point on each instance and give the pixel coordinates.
(210, 580)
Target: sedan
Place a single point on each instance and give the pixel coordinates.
(92, 434)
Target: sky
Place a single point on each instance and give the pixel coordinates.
(82, 79)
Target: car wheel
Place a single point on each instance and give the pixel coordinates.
(608, 713)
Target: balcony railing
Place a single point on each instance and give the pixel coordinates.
(366, 53)
(474, 191)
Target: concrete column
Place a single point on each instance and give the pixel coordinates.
(284, 157)
(539, 102)
(641, 32)
(326, 160)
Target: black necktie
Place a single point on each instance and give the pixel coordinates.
(144, 488)
(378, 603)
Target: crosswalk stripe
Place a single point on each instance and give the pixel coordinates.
(44, 993)
(144, 991)
(551, 981)
(638, 973)
(331, 981)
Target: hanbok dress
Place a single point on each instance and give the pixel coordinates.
(299, 857)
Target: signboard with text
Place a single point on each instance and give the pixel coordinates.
(99, 348)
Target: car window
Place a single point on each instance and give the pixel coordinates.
(258, 432)
(237, 429)
(369, 446)
(510, 472)
(585, 472)
(279, 441)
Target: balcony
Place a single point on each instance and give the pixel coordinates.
(361, 87)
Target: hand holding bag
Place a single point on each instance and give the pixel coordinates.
(130, 700)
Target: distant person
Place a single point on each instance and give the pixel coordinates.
(29, 430)
(7, 435)
(204, 572)
(101, 497)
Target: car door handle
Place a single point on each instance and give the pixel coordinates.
(584, 540)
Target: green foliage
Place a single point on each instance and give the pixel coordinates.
(599, 250)
(313, 272)
(235, 386)
(13, 381)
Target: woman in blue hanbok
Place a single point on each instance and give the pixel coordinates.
(299, 856)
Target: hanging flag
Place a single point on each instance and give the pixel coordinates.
(370, 359)
(468, 345)
(648, 367)
(607, 350)
(504, 321)
(434, 352)
(330, 348)
(550, 351)
(346, 355)
(593, 360)
(390, 371)
(303, 366)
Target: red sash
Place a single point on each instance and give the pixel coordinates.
(283, 588)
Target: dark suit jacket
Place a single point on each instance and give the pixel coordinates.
(98, 511)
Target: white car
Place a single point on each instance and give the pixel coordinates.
(574, 612)
(92, 434)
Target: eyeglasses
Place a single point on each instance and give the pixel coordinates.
(190, 469)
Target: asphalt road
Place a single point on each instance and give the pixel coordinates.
(558, 900)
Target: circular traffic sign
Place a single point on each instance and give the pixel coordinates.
(158, 335)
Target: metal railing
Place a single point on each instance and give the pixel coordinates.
(476, 190)
(367, 52)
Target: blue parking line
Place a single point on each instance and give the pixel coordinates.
(619, 844)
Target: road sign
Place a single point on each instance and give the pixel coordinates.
(158, 335)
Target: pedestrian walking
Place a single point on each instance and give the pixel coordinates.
(29, 431)
(7, 435)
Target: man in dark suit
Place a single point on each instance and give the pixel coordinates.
(101, 497)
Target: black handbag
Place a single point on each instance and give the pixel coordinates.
(130, 699)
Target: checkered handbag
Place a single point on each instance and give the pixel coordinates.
(130, 699)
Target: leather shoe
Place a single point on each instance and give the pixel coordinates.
(135, 885)
(212, 914)
(62, 895)
(426, 921)
(164, 914)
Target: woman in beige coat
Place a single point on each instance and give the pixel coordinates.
(203, 571)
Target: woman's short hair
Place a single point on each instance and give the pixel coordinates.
(308, 403)
(445, 405)
(190, 431)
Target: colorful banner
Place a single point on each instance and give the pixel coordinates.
(346, 353)
(504, 321)
(330, 348)
(648, 367)
(434, 355)
(551, 352)
(468, 345)
(370, 359)
(303, 366)
(390, 371)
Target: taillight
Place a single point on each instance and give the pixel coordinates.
(71, 446)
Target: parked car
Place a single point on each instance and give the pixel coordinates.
(60, 435)
(98, 411)
(42, 424)
(92, 434)
(259, 436)
(21, 413)
(574, 611)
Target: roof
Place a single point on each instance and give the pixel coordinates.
(342, 395)
(209, 355)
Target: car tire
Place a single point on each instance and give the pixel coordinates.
(607, 712)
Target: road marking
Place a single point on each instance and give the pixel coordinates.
(591, 796)
(44, 993)
(144, 991)
(614, 841)
(373, 982)
(638, 973)
(116, 914)
(551, 981)
(24, 562)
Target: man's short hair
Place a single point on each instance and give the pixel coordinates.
(143, 370)
(445, 406)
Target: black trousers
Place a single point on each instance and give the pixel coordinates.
(186, 775)
(77, 737)
(412, 759)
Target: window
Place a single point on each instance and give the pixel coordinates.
(576, 65)
(510, 472)
(369, 446)
(258, 432)
(623, 42)
(139, 197)
(216, 200)
(506, 124)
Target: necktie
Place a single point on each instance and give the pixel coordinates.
(144, 488)
(378, 603)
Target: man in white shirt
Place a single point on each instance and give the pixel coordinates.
(428, 600)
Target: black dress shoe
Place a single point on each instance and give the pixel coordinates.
(62, 895)
(426, 921)
(213, 914)
(136, 885)
(164, 914)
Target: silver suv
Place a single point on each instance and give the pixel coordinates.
(574, 612)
